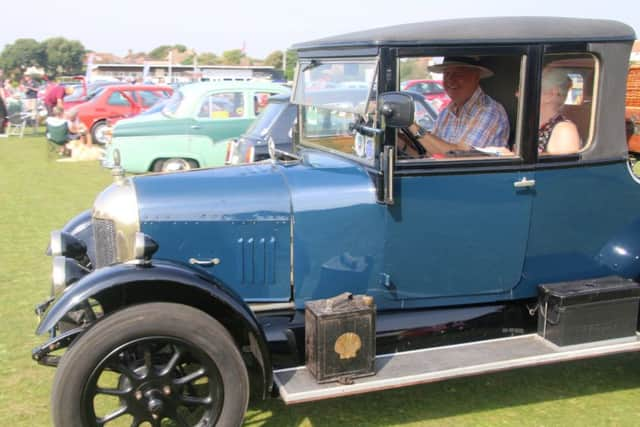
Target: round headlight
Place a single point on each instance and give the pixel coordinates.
(65, 244)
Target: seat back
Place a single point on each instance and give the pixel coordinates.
(581, 116)
(58, 134)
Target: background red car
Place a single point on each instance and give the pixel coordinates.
(432, 90)
(116, 102)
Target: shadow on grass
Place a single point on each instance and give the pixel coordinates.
(457, 397)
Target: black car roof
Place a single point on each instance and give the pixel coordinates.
(481, 31)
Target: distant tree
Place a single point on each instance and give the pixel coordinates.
(189, 60)
(21, 54)
(160, 53)
(232, 57)
(208, 58)
(274, 59)
(63, 56)
(412, 69)
(292, 60)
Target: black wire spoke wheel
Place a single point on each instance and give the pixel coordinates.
(156, 379)
(152, 365)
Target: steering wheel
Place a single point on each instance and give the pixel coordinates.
(414, 143)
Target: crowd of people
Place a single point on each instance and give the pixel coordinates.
(27, 95)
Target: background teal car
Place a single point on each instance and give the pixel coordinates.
(190, 130)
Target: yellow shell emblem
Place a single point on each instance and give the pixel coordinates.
(347, 345)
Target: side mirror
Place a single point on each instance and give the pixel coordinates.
(397, 109)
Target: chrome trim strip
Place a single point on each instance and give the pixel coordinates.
(271, 306)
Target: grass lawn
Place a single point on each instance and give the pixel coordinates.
(38, 195)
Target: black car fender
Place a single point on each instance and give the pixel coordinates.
(124, 285)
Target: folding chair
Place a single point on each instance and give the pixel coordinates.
(17, 123)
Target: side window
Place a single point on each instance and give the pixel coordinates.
(566, 101)
(222, 106)
(466, 107)
(148, 97)
(260, 100)
(118, 99)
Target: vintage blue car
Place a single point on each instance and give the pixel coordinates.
(178, 296)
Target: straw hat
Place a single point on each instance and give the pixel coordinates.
(462, 61)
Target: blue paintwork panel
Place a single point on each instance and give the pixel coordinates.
(450, 239)
(338, 230)
(461, 235)
(584, 224)
(240, 215)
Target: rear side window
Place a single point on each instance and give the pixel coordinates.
(566, 103)
(222, 106)
(148, 97)
(118, 99)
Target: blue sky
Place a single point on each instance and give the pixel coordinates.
(215, 25)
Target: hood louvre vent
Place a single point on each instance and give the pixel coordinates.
(255, 260)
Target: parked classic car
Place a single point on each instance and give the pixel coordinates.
(191, 129)
(432, 90)
(115, 102)
(195, 295)
(84, 92)
(277, 121)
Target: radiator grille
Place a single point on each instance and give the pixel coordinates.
(104, 233)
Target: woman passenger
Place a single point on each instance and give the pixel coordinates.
(556, 134)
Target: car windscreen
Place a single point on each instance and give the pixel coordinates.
(336, 84)
(171, 107)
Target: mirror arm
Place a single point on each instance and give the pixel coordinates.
(365, 130)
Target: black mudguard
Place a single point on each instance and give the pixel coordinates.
(123, 285)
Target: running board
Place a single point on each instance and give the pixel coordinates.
(297, 385)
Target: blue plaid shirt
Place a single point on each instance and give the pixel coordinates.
(481, 122)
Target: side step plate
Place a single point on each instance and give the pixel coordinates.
(297, 385)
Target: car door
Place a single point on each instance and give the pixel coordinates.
(221, 115)
(119, 104)
(457, 232)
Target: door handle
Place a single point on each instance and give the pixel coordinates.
(525, 183)
(213, 261)
(195, 126)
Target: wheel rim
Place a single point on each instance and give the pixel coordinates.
(99, 134)
(152, 379)
(175, 165)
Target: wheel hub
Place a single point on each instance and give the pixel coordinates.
(155, 405)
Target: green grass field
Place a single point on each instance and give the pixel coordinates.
(38, 195)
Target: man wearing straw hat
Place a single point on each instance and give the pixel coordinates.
(473, 119)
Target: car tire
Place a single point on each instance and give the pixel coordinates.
(97, 133)
(174, 164)
(148, 363)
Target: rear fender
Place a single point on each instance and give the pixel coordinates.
(621, 254)
(123, 285)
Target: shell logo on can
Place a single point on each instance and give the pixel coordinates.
(347, 345)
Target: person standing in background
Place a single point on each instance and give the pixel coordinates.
(53, 96)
